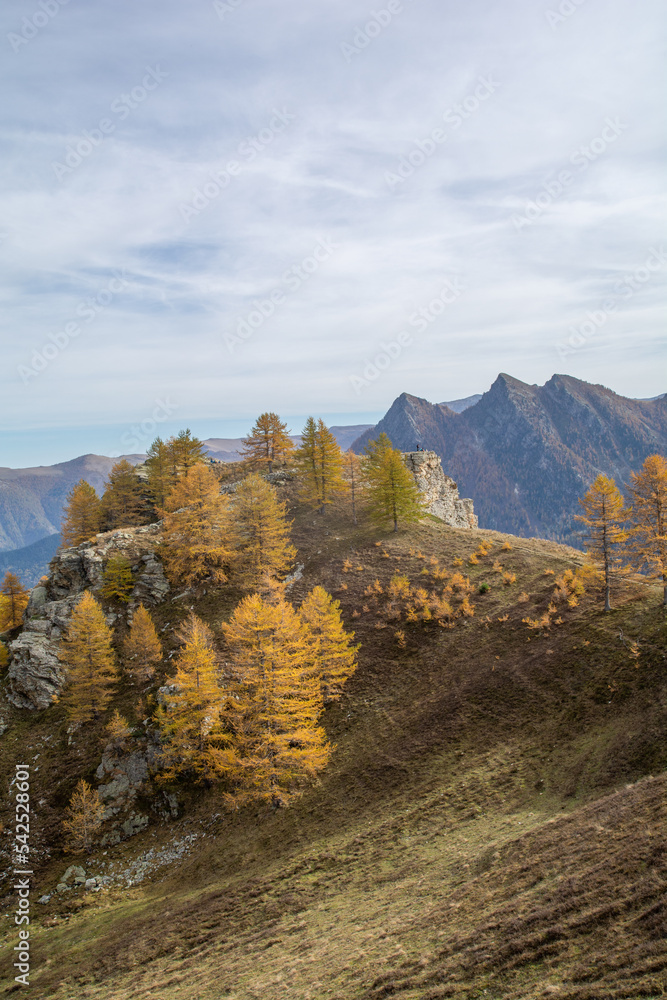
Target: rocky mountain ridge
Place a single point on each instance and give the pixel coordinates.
(526, 453)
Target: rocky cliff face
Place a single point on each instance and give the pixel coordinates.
(439, 492)
(35, 674)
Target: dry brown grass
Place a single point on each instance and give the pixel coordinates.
(473, 837)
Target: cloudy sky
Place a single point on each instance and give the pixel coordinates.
(216, 208)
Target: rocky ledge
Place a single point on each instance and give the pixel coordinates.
(439, 492)
(35, 676)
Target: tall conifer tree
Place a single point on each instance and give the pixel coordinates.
(198, 537)
(266, 552)
(142, 647)
(161, 477)
(190, 717)
(320, 463)
(84, 818)
(389, 485)
(267, 443)
(123, 503)
(648, 516)
(89, 658)
(82, 517)
(605, 516)
(13, 601)
(280, 746)
(333, 657)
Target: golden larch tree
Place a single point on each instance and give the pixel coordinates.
(159, 469)
(353, 477)
(332, 653)
(123, 504)
(13, 601)
(186, 451)
(84, 818)
(142, 648)
(648, 516)
(280, 746)
(268, 442)
(389, 485)
(89, 658)
(194, 741)
(320, 463)
(604, 519)
(118, 581)
(82, 516)
(199, 538)
(265, 552)
(117, 730)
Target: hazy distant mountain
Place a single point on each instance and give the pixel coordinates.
(31, 500)
(31, 562)
(526, 453)
(459, 405)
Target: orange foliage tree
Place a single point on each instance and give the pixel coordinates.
(280, 745)
(84, 818)
(267, 442)
(198, 535)
(90, 661)
(605, 516)
(265, 549)
(142, 647)
(13, 601)
(332, 654)
(648, 516)
(82, 516)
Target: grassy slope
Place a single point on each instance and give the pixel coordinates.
(474, 836)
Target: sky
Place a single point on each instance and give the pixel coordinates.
(213, 209)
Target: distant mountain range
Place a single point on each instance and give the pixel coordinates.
(32, 500)
(30, 562)
(526, 453)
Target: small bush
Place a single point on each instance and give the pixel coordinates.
(457, 561)
(473, 560)
(509, 579)
(483, 588)
(506, 547)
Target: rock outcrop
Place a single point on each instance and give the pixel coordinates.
(35, 675)
(439, 492)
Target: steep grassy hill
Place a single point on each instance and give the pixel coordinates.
(493, 822)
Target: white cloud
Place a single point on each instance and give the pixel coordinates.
(323, 176)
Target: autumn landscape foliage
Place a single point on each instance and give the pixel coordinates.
(401, 651)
